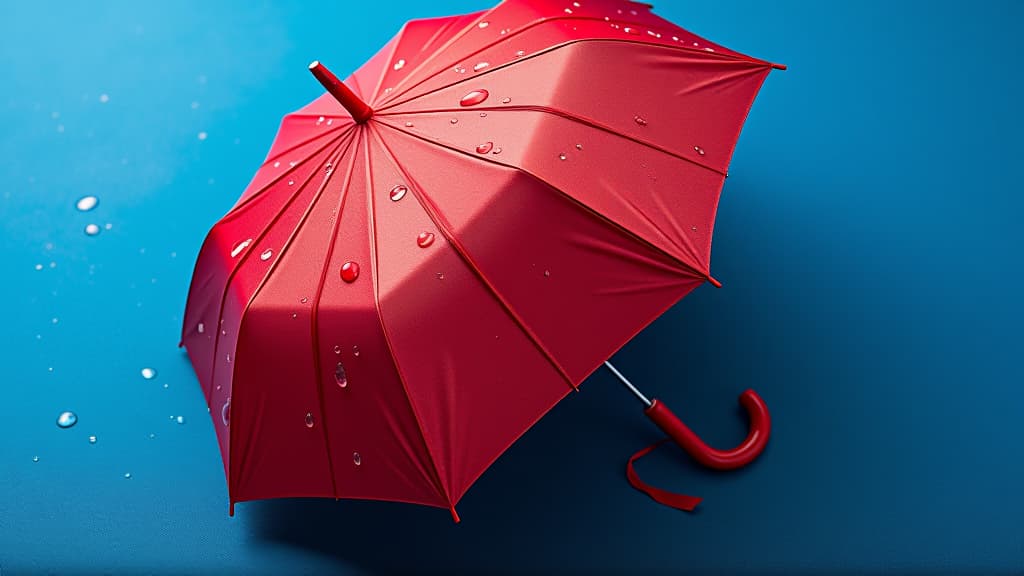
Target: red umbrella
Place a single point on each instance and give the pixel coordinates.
(441, 248)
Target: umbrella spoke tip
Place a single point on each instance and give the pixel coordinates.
(314, 64)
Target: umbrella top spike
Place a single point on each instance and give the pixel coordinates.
(359, 110)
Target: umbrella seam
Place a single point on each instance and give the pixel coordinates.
(314, 324)
(257, 290)
(438, 483)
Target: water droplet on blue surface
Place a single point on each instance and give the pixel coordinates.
(202, 135)
(91, 229)
(127, 475)
(35, 458)
(86, 203)
(180, 419)
(148, 373)
(92, 439)
(67, 419)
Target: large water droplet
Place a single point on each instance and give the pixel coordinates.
(398, 192)
(86, 203)
(398, 65)
(480, 66)
(484, 148)
(474, 97)
(339, 375)
(67, 419)
(349, 271)
(266, 254)
(425, 239)
(91, 229)
(357, 459)
(225, 412)
(408, 124)
(180, 419)
(240, 246)
(149, 373)
(309, 419)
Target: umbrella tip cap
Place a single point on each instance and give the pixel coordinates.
(314, 64)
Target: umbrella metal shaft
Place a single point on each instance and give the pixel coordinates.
(628, 384)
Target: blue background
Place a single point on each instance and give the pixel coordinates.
(869, 240)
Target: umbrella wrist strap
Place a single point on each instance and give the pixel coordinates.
(671, 499)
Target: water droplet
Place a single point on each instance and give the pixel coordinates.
(483, 24)
(200, 328)
(579, 146)
(128, 475)
(562, 156)
(303, 299)
(225, 412)
(547, 273)
(330, 121)
(640, 121)
(675, 38)
(35, 458)
(91, 229)
(276, 164)
(294, 315)
(39, 266)
(319, 120)
(454, 120)
(629, 30)
(227, 358)
(309, 419)
(460, 69)
(86, 203)
(398, 192)
(698, 150)
(709, 49)
(355, 351)
(568, 10)
(240, 246)
(67, 419)
(291, 182)
(266, 254)
(357, 459)
(440, 275)
(496, 150)
(484, 148)
(520, 53)
(480, 66)
(483, 114)
(180, 419)
(202, 135)
(92, 439)
(425, 239)
(349, 271)
(506, 100)
(694, 228)
(104, 98)
(149, 373)
(408, 124)
(339, 375)
(337, 349)
(398, 65)
(474, 97)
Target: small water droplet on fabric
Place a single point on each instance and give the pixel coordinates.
(698, 150)
(640, 121)
(399, 65)
(484, 148)
(349, 271)
(309, 419)
(425, 239)
(483, 24)
(480, 66)
(340, 377)
(357, 459)
(266, 254)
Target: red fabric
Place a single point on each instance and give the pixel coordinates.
(679, 501)
(538, 270)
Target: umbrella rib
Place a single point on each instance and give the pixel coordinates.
(314, 313)
(435, 216)
(372, 229)
(704, 274)
(396, 94)
(567, 116)
(336, 153)
(259, 193)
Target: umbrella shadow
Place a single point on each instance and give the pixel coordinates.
(561, 487)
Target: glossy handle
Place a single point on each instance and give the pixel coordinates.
(751, 448)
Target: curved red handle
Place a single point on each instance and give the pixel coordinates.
(745, 453)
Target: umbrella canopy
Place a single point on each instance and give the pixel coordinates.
(440, 249)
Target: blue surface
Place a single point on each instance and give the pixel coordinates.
(868, 239)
